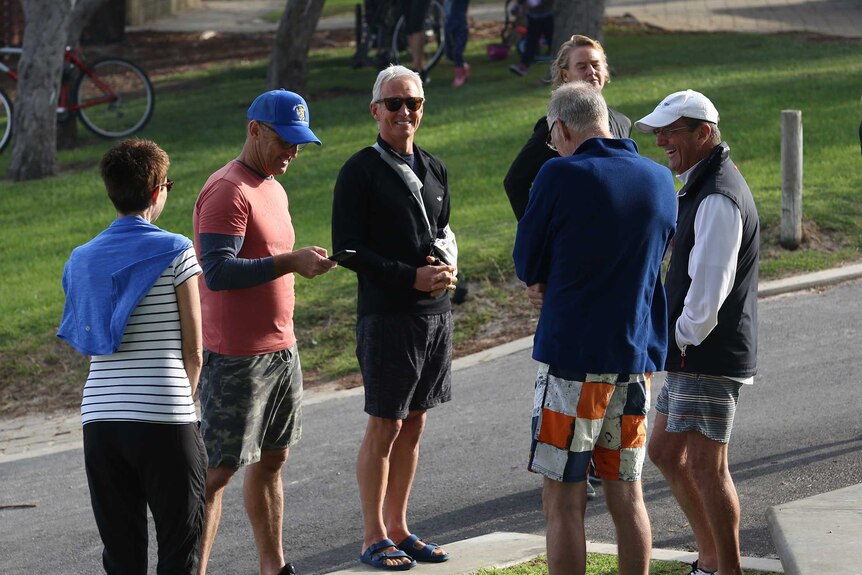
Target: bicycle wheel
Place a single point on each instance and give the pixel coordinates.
(116, 99)
(5, 120)
(433, 29)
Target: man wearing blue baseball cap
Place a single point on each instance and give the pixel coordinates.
(251, 383)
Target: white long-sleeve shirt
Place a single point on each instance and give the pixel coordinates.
(712, 267)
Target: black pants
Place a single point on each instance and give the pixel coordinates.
(536, 28)
(133, 465)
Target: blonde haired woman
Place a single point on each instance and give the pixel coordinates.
(580, 58)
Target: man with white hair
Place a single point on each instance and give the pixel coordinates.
(712, 320)
(590, 247)
(391, 207)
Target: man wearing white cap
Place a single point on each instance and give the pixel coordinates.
(251, 383)
(712, 318)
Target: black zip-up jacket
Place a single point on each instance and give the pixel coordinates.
(374, 213)
(731, 348)
(535, 153)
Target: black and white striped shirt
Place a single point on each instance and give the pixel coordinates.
(145, 380)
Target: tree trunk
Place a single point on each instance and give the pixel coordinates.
(577, 17)
(34, 145)
(288, 66)
(84, 11)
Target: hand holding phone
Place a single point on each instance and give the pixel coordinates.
(342, 255)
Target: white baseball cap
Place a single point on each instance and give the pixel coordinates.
(686, 104)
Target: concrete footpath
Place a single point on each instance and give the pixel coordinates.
(812, 535)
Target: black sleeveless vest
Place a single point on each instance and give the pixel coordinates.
(731, 347)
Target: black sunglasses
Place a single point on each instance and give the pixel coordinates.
(394, 104)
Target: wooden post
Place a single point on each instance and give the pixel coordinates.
(791, 178)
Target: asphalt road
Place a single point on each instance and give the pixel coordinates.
(798, 434)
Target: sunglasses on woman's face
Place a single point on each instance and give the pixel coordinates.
(394, 104)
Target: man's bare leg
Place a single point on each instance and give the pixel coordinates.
(217, 480)
(263, 493)
(634, 534)
(564, 505)
(669, 452)
(403, 461)
(707, 461)
(372, 475)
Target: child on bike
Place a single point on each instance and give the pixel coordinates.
(540, 22)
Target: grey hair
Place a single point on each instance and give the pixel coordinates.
(391, 73)
(714, 133)
(580, 106)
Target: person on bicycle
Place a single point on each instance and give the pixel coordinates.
(540, 22)
(414, 15)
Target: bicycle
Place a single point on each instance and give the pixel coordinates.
(113, 97)
(382, 30)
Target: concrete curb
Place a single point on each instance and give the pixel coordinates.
(816, 534)
(502, 549)
(809, 281)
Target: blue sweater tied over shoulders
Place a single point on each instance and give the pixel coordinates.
(106, 278)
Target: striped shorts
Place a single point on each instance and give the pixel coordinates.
(578, 417)
(702, 403)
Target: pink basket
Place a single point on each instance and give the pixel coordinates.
(498, 51)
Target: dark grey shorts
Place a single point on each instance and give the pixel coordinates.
(406, 362)
(250, 404)
(702, 403)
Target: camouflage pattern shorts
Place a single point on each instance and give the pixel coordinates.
(249, 404)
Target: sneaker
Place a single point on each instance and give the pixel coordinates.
(518, 69)
(591, 491)
(461, 75)
(695, 570)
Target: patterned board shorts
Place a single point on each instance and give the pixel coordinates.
(702, 403)
(250, 404)
(582, 416)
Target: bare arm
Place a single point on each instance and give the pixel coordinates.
(189, 305)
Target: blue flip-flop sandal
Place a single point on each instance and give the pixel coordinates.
(376, 557)
(425, 554)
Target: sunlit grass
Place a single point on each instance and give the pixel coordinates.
(477, 130)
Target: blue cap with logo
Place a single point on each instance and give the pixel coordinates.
(285, 111)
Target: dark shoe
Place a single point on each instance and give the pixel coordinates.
(287, 570)
(376, 556)
(425, 554)
(695, 570)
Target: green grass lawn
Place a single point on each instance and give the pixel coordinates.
(599, 564)
(477, 130)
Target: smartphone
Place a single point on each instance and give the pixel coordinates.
(343, 255)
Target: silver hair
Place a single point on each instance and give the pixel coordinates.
(580, 106)
(391, 73)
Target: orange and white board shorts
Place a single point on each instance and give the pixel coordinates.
(579, 417)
